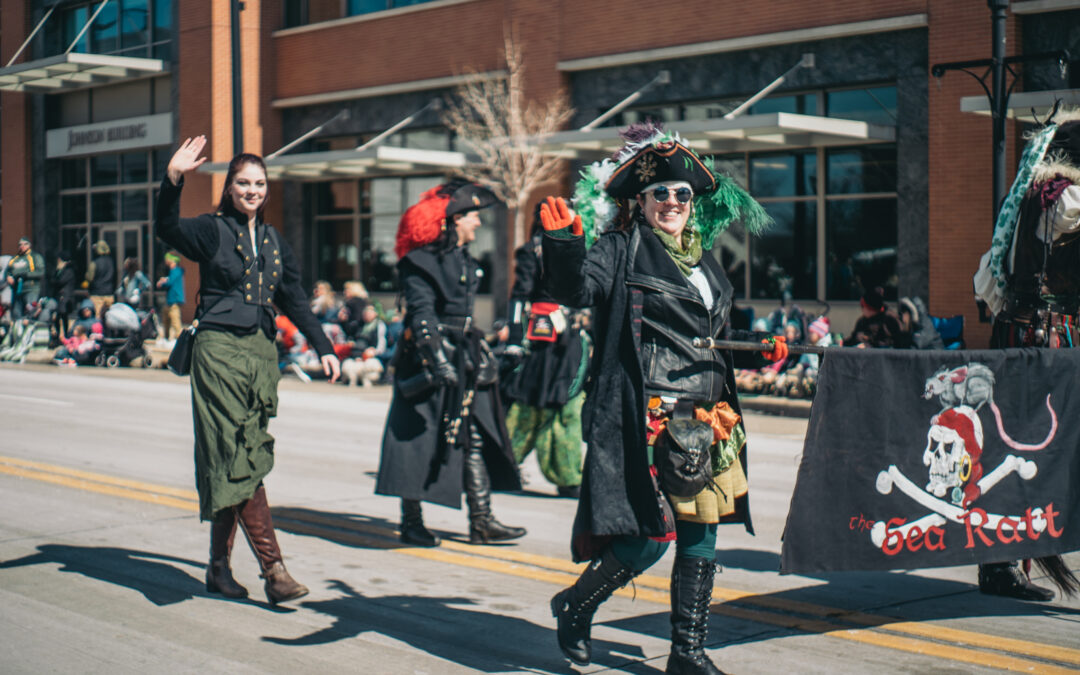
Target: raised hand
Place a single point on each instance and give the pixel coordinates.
(186, 158)
(555, 215)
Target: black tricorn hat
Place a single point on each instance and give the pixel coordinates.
(467, 197)
(655, 163)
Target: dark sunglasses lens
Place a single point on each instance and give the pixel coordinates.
(683, 194)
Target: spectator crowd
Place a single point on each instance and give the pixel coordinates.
(907, 326)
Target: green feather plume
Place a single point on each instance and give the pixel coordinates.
(596, 208)
(728, 203)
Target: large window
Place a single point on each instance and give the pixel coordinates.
(355, 221)
(141, 28)
(834, 236)
(110, 198)
(355, 228)
(834, 208)
(302, 12)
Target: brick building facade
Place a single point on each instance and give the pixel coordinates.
(907, 205)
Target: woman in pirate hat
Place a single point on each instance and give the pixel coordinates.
(445, 431)
(637, 252)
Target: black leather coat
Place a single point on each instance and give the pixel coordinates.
(673, 314)
(618, 496)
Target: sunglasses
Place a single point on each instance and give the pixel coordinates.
(661, 193)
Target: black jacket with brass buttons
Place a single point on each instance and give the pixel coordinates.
(254, 277)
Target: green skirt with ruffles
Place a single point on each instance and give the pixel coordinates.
(234, 382)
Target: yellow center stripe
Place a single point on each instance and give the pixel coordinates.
(881, 631)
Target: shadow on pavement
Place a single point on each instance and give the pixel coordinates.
(349, 529)
(445, 627)
(151, 574)
(845, 600)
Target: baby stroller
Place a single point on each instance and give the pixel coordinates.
(125, 333)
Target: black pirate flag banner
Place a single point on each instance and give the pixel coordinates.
(932, 458)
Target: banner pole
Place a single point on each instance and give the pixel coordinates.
(739, 346)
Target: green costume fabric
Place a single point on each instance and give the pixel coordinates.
(555, 434)
(692, 540)
(234, 382)
(685, 252)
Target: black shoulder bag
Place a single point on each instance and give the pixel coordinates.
(681, 454)
(180, 357)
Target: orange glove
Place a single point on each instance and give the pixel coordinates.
(779, 349)
(555, 215)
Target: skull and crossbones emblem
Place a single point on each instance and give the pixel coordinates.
(953, 454)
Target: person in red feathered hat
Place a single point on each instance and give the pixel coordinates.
(445, 432)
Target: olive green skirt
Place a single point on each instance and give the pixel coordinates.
(234, 384)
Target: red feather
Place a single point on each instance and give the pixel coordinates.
(422, 223)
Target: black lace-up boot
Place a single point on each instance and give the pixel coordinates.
(691, 596)
(573, 607)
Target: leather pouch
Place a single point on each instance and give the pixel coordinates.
(682, 458)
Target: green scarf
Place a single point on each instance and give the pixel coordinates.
(687, 253)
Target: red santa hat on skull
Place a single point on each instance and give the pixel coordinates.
(969, 429)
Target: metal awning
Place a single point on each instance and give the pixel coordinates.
(66, 72)
(769, 131)
(1021, 103)
(382, 160)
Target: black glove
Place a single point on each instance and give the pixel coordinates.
(443, 370)
(436, 363)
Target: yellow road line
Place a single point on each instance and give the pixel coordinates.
(101, 478)
(899, 643)
(101, 488)
(891, 624)
(562, 572)
(661, 597)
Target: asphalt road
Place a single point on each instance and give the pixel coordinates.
(102, 559)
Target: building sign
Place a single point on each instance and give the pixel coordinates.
(132, 133)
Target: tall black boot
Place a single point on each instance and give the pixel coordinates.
(483, 527)
(573, 607)
(259, 527)
(691, 596)
(219, 578)
(1007, 579)
(413, 531)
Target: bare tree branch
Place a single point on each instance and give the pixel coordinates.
(495, 121)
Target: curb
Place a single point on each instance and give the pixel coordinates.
(777, 405)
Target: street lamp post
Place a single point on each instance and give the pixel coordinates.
(999, 98)
(998, 94)
(237, 95)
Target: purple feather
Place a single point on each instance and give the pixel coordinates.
(640, 131)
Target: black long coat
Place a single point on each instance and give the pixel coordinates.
(617, 492)
(412, 466)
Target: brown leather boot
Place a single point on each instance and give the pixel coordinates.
(219, 578)
(259, 528)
